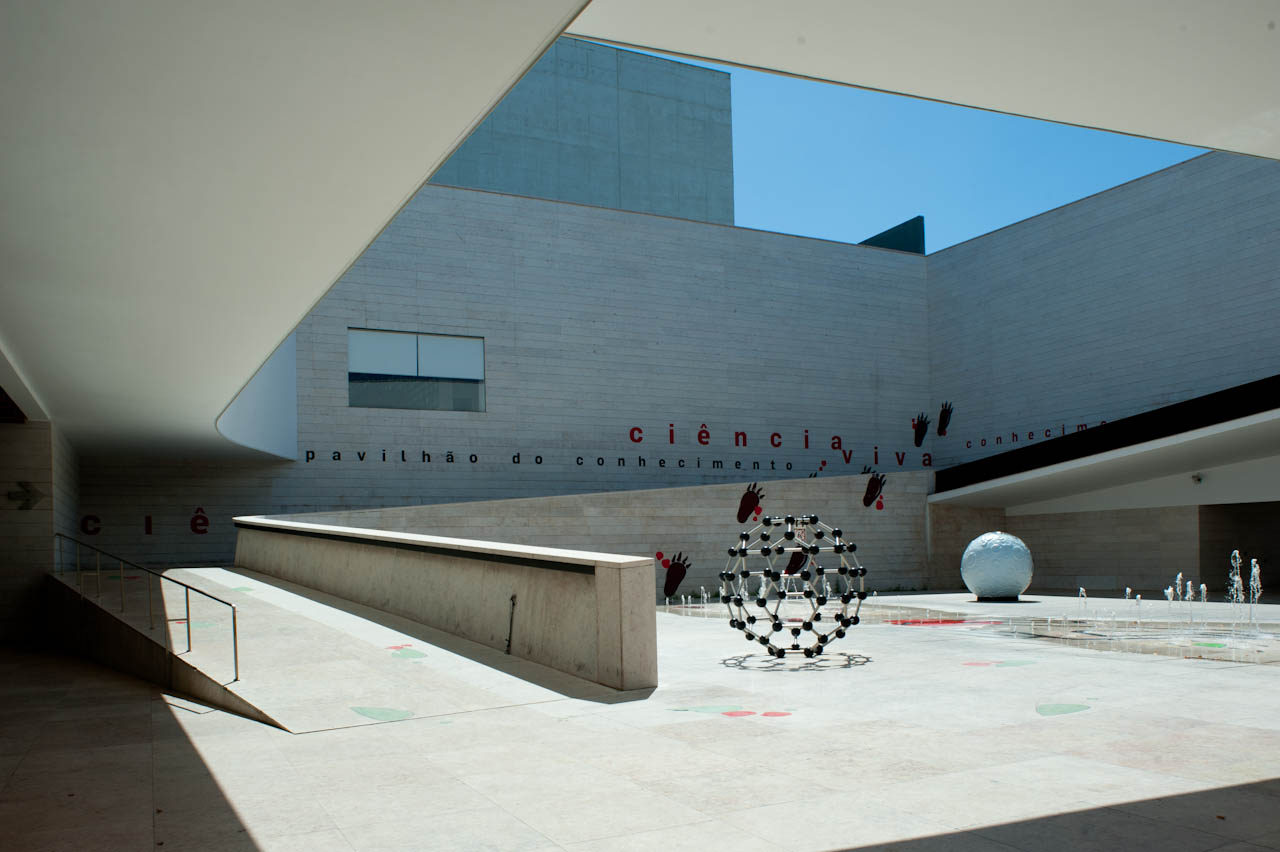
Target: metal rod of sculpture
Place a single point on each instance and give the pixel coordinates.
(788, 549)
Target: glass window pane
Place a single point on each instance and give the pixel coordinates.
(384, 352)
(365, 390)
(450, 357)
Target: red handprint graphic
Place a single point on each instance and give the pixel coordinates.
(677, 566)
(875, 486)
(750, 503)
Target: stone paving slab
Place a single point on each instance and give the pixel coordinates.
(904, 737)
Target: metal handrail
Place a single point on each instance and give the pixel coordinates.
(188, 589)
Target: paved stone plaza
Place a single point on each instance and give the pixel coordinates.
(905, 736)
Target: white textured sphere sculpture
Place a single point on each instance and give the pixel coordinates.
(996, 566)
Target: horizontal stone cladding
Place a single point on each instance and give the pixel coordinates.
(593, 124)
(1105, 552)
(595, 323)
(1157, 291)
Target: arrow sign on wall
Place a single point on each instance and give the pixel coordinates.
(27, 497)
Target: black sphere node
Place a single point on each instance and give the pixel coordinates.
(792, 602)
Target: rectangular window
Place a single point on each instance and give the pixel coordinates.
(396, 369)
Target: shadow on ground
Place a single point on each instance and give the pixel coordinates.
(92, 759)
(1241, 818)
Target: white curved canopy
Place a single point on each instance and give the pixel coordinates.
(181, 181)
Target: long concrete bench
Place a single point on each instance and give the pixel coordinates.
(588, 614)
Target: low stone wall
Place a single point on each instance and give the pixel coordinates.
(697, 522)
(588, 614)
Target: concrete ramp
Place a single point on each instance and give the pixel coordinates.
(307, 661)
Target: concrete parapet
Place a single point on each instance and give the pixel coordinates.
(588, 614)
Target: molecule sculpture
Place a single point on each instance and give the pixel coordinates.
(788, 549)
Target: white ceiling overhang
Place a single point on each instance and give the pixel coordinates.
(1188, 71)
(1154, 472)
(181, 181)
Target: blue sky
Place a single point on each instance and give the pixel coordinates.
(839, 163)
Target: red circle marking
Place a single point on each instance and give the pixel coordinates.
(739, 713)
(658, 555)
(666, 563)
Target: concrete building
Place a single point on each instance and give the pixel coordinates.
(555, 346)
(184, 184)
